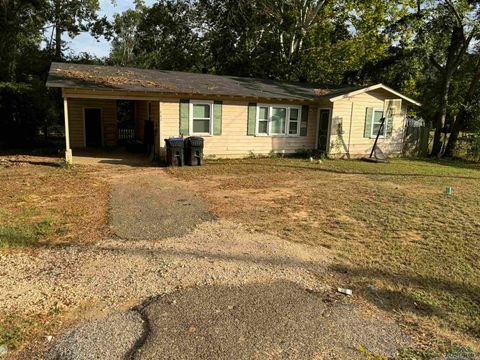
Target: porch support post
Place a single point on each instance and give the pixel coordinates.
(68, 150)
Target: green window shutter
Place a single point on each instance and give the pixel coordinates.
(184, 117)
(252, 118)
(304, 121)
(217, 118)
(368, 123)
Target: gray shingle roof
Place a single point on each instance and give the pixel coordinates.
(66, 75)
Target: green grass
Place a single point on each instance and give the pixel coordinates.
(390, 225)
(14, 331)
(417, 167)
(25, 234)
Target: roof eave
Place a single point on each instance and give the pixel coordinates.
(375, 87)
(184, 94)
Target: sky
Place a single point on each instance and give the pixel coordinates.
(87, 43)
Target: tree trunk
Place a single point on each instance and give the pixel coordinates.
(12, 66)
(58, 44)
(58, 32)
(455, 131)
(456, 49)
(440, 122)
(460, 122)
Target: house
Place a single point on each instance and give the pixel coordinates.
(235, 116)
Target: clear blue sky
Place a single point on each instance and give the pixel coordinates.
(87, 43)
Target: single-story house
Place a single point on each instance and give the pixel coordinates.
(236, 116)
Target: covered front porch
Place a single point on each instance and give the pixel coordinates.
(121, 126)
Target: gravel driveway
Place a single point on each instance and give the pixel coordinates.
(278, 320)
(215, 290)
(150, 206)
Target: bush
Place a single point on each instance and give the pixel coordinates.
(468, 147)
(309, 153)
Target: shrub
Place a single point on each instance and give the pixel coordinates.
(309, 153)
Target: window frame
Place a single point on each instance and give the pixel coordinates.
(257, 121)
(287, 120)
(190, 115)
(372, 135)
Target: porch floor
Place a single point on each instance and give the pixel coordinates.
(119, 156)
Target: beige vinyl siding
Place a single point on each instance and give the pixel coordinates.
(350, 113)
(169, 119)
(76, 120)
(234, 141)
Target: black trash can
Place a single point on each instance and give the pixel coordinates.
(174, 151)
(194, 151)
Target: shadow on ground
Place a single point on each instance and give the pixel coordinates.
(394, 301)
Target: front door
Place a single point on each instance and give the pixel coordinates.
(93, 127)
(323, 124)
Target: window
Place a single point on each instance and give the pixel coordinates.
(278, 120)
(201, 118)
(377, 123)
(263, 117)
(293, 122)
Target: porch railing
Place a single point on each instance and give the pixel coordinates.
(126, 134)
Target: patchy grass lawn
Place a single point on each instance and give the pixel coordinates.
(41, 202)
(389, 225)
(44, 204)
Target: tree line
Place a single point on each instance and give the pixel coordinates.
(426, 49)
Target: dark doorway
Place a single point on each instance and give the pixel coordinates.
(93, 127)
(126, 122)
(324, 121)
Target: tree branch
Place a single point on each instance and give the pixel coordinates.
(435, 63)
(455, 12)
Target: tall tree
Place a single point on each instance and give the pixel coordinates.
(73, 17)
(452, 28)
(20, 34)
(167, 37)
(296, 39)
(465, 114)
(125, 40)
